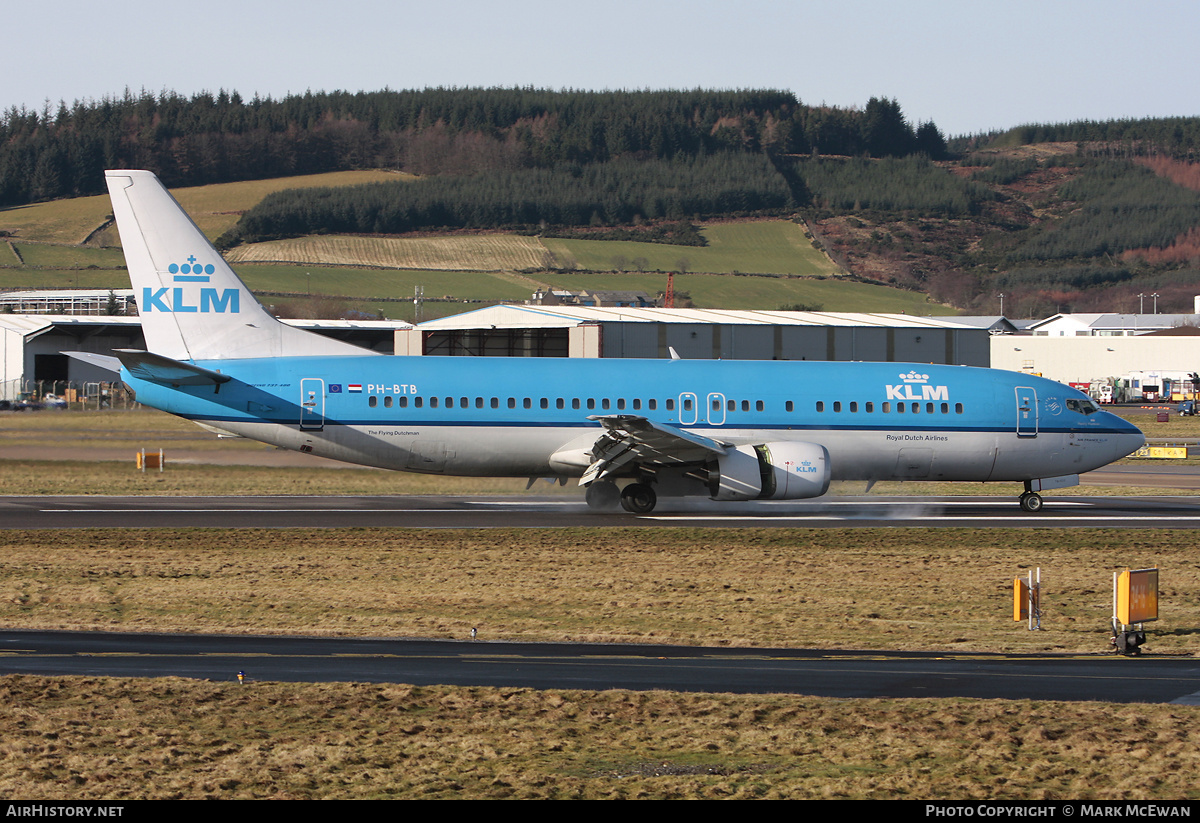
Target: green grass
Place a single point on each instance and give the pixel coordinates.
(761, 247)
(395, 283)
(64, 257)
(767, 293)
(214, 208)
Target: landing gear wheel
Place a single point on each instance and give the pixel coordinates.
(603, 495)
(1031, 502)
(638, 498)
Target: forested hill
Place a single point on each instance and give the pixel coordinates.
(63, 151)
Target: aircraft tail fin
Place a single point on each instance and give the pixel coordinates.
(192, 305)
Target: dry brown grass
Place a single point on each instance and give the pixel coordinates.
(865, 588)
(484, 252)
(95, 738)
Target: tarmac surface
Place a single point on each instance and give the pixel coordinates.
(836, 674)
(531, 510)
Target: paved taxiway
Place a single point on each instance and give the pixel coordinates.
(419, 511)
(582, 666)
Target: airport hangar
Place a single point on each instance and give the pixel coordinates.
(32, 345)
(697, 334)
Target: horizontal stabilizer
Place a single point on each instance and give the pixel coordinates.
(102, 361)
(159, 369)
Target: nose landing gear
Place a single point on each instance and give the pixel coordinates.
(1030, 500)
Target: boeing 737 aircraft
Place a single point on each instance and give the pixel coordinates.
(629, 430)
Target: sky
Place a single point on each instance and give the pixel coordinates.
(968, 66)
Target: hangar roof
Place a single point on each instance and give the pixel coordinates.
(519, 316)
(32, 325)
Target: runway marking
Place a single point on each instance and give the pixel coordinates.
(1035, 518)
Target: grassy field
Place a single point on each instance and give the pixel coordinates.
(768, 293)
(477, 268)
(898, 588)
(95, 738)
(480, 253)
(758, 246)
(214, 208)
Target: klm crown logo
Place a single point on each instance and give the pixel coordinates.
(191, 271)
(182, 299)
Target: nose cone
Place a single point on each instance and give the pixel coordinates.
(1126, 438)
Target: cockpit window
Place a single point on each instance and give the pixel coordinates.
(1082, 405)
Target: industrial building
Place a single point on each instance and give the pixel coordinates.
(32, 346)
(580, 331)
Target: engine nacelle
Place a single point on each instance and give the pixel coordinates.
(771, 471)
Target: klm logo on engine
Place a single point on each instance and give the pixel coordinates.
(915, 386)
(187, 298)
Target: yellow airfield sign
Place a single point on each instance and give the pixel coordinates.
(1137, 596)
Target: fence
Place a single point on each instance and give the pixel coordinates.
(91, 396)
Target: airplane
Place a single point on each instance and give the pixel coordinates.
(628, 430)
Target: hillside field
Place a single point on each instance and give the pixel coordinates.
(378, 275)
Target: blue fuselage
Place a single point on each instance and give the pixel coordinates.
(512, 416)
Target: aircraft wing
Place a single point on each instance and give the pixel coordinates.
(630, 438)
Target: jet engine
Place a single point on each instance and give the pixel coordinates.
(771, 471)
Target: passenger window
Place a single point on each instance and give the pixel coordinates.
(820, 405)
(853, 407)
(637, 404)
(527, 403)
(837, 405)
(945, 408)
(870, 408)
(495, 402)
(887, 407)
(372, 401)
(604, 403)
(560, 403)
(958, 408)
(758, 406)
(670, 404)
(591, 402)
(433, 402)
(745, 405)
(574, 402)
(545, 402)
(620, 403)
(790, 406)
(651, 404)
(417, 401)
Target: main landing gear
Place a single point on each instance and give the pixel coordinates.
(636, 498)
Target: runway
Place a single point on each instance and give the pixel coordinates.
(517, 511)
(835, 674)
